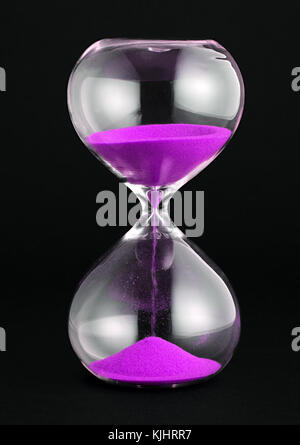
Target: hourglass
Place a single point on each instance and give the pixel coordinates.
(155, 310)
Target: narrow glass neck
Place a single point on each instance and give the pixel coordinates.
(155, 218)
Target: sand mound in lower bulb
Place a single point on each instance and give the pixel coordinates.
(154, 360)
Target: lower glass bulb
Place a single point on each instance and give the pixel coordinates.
(154, 311)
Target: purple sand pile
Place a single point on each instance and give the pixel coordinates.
(158, 155)
(154, 360)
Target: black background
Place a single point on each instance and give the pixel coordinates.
(50, 237)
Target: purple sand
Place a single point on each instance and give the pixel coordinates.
(158, 155)
(154, 360)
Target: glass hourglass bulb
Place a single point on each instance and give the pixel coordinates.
(155, 310)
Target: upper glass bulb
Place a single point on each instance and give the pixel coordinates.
(156, 112)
